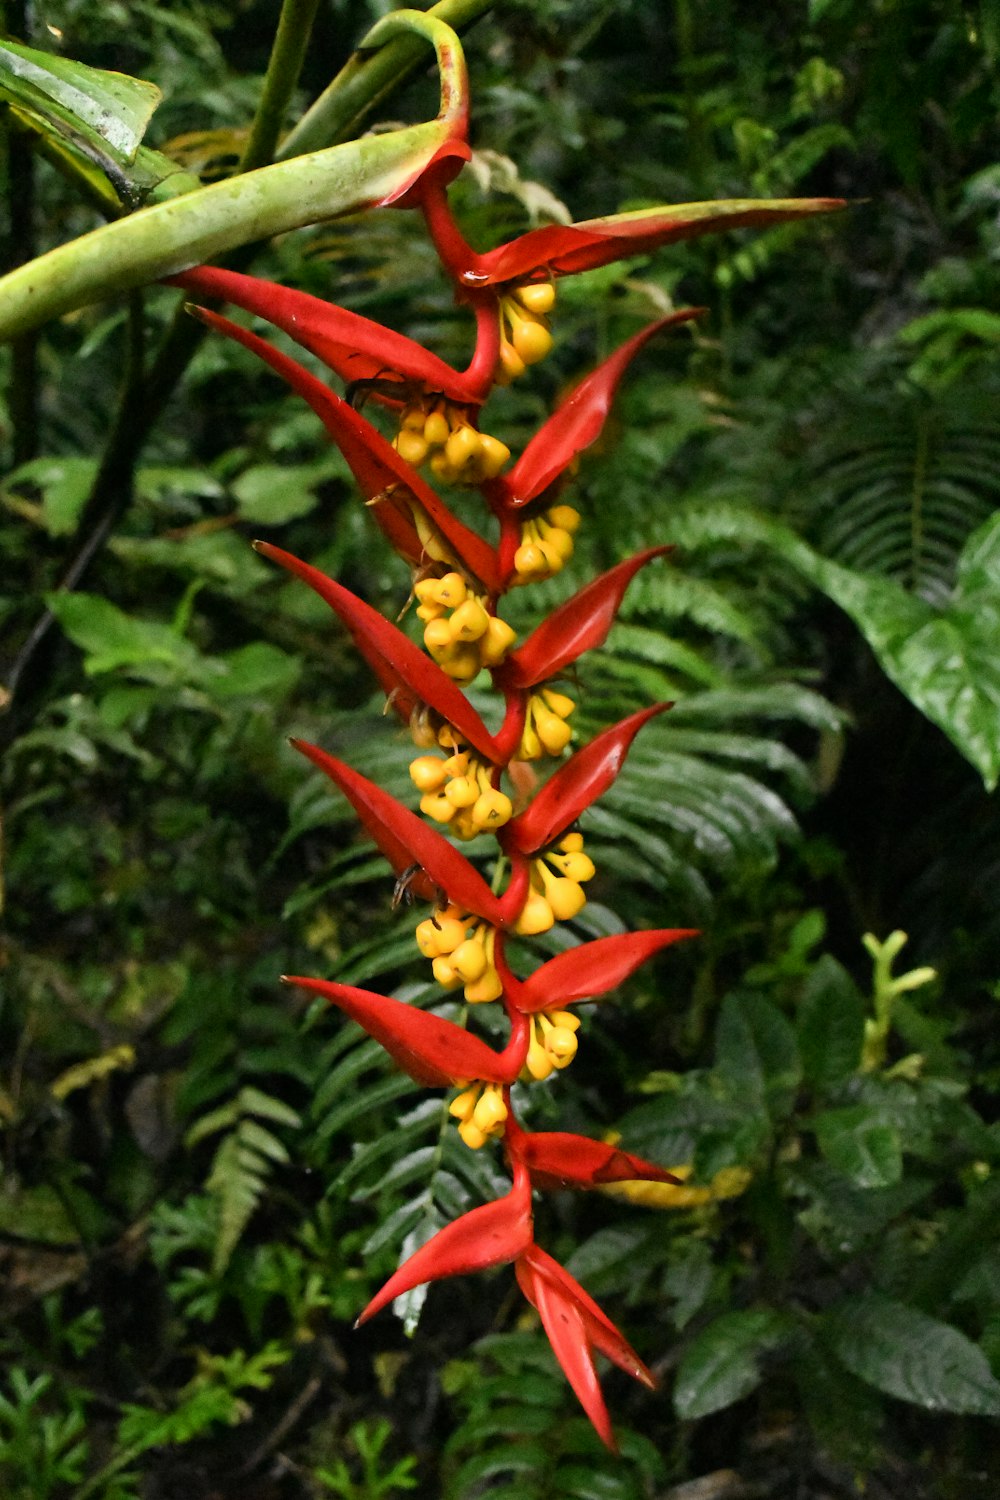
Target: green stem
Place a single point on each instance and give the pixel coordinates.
(283, 69)
(168, 237)
(365, 80)
(18, 248)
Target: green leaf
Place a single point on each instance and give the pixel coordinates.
(830, 1025)
(36, 1213)
(271, 494)
(259, 670)
(64, 483)
(109, 110)
(756, 1053)
(907, 1354)
(860, 1142)
(944, 660)
(110, 638)
(721, 1366)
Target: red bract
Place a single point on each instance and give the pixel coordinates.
(577, 626)
(575, 1324)
(376, 635)
(565, 249)
(492, 1235)
(391, 486)
(406, 841)
(558, 1159)
(578, 783)
(593, 969)
(578, 422)
(353, 346)
(432, 1050)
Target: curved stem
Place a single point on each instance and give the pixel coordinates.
(365, 80)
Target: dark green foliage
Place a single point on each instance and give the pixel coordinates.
(204, 1179)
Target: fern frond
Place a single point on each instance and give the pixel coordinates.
(242, 1163)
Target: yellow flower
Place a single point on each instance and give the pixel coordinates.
(728, 1182)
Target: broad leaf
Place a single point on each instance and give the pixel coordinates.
(860, 1142)
(110, 111)
(830, 1025)
(756, 1054)
(944, 660)
(722, 1365)
(907, 1354)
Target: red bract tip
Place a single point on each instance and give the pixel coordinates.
(575, 1324)
(433, 1051)
(353, 346)
(559, 1159)
(577, 626)
(593, 969)
(578, 422)
(406, 840)
(488, 1236)
(564, 249)
(570, 790)
(390, 485)
(408, 664)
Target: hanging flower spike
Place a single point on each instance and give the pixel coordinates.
(574, 1325)
(406, 841)
(492, 1235)
(433, 1051)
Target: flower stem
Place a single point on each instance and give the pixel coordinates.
(284, 66)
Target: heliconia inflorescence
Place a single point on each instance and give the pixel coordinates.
(469, 780)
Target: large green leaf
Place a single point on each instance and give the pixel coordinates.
(109, 111)
(907, 1354)
(944, 660)
(830, 1025)
(721, 1366)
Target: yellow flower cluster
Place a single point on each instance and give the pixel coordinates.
(728, 1182)
(545, 729)
(546, 544)
(553, 1043)
(459, 631)
(556, 893)
(480, 1111)
(461, 956)
(459, 791)
(524, 329)
(459, 454)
